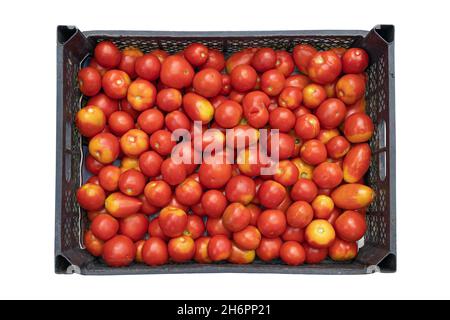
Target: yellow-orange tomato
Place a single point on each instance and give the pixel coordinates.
(120, 206)
(323, 206)
(239, 256)
(320, 234)
(325, 135)
(305, 170)
(201, 250)
(93, 244)
(128, 163)
(358, 128)
(134, 142)
(90, 120)
(342, 250)
(198, 108)
(104, 147)
(141, 94)
(356, 162)
(352, 196)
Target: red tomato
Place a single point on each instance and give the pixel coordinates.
(107, 54)
(228, 114)
(269, 249)
(115, 83)
(120, 206)
(120, 122)
(89, 81)
(119, 251)
(104, 226)
(255, 106)
(154, 252)
(286, 173)
(196, 54)
(236, 217)
(126, 106)
(334, 215)
(195, 227)
(272, 82)
(307, 126)
(169, 99)
(292, 253)
(109, 178)
(93, 244)
(215, 227)
(139, 246)
(293, 234)
(313, 255)
(132, 182)
(285, 146)
(272, 223)
(208, 82)
(214, 175)
(151, 120)
(243, 78)
(271, 194)
(177, 120)
(160, 54)
(91, 196)
(92, 165)
(215, 60)
(299, 214)
(198, 108)
(150, 163)
(313, 152)
(219, 248)
(327, 175)
(331, 113)
(214, 203)
(302, 55)
(226, 85)
(201, 250)
(285, 63)
(154, 230)
(158, 193)
(324, 67)
(173, 221)
(323, 206)
(320, 234)
(342, 250)
(264, 59)
(350, 226)
(356, 162)
(148, 67)
(181, 249)
(90, 121)
(290, 97)
(239, 256)
(240, 189)
(128, 60)
(134, 226)
(358, 128)
(247, 239)
(173, 173)
(298, 81)
(161, 142)
(355, 60)
(350, 88)
(304, 190)
(242, 57)
(313, 95)
(282, 119)
(176, 72)
(134, 142)
(189, 192)
(105, 103)
(94, 64)
(337, 147)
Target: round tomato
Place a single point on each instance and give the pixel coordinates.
(92, 165)
(158, 193)
(350, 88)
(219, 248)
(154, 230)
(293, 234)
(272, 223)
(201, 250)
(120, 122)
(115, 83)
(313, 152)
(215, 60)
(173, 173)
(132, 182)
(302, 55)
(320, 234)
(324, 67)
(196, 54)
(169, 99)
(247, 239)
(104, 226)
(134, 142)
(228, 114)
(314, 255)
(214, 203)
(195, 227)
(91, 197)
(304, 190)
(173, 221)
(161, 142)
(89, 81)
(299, 214)
(134, 226)
(342, 250)
(150, 163)
(286, 173)
(105, 103)
(243, 78)
(176, 72)
(154, 252)
(236, 217)
(214, 175)
(292, 253)
(323, 206)
(128, 61)
(350, 226)
(272, 82)
(181, 249)
(282, 119)
(271, 194)
(240, 189)
(358, 128)
(90, 121)
(285, 63)
(337, 147)
(148, 67)
(313, 95)
(327, 175)
(331, 113)
(141, 94)
(264, 59)
(189, 192)
(215, 227)
(93, 244)
(355, 60)
(208, 82)
(107, 54)
(151, 120)
(269, 249)
(119, 251)
(307, 126)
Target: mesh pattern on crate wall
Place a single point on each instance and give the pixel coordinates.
(376, 98)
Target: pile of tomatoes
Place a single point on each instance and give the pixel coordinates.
(145, 207)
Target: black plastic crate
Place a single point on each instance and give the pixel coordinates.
(74, 46)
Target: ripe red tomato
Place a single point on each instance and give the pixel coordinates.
(90, 121)
(104, 226)
(134, 226)
(350, 226)
(269, 249)
(109, 178)
(93, 244)
(238, 58)
(141, 94)
(240, 189)
(226, 85)
(323, 206)
(350, 88)
(313, 95)
(337, 147)
(169, 99)
(161, 142)
(173, 173)
(298, 81)
(293, 234)
(313, 152)
(150, 163)
(105, 103)
(208, 82)
(271, 194)
(307, 126)
(198, 108)
(342, 250)
(115, 83)
(92, 165)
(292, 253)
(320, 234)
(214, 175)
(284, 147)
(214, 203)
(177, 120)
(139, 246)
(91, 197)
(120, 122)
(154, 230)
(290, 97)
(196, 53)
(215, 227)
(286, 173)
(272, 223)
(176, 72)
(195, 227)
(255, 106)
(189, 192)
(128, 60)
(247, 239)
(264, 59)
(132, 182)
(154, 252)
(228, 114)
(107, 54)
(243, 78)
(160, 54)
(355, 60)
(304, 190)
(236, 217)
(158, 193)
(215, 60)
(285, 63)
(201, 250)
(282, 119)
(148, 67)
(181, 249)
(89, 81)
(151, 120)
(324, 67)
(358, 127)
(327, 175)
(331, 113)
(94, 64)
(299, 214)
(272, 82)
(173, 221)
(119, 251)
(239, 256)
(219, 248)
(302, 55)
(313, 255)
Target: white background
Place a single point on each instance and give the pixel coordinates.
(27, 142)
